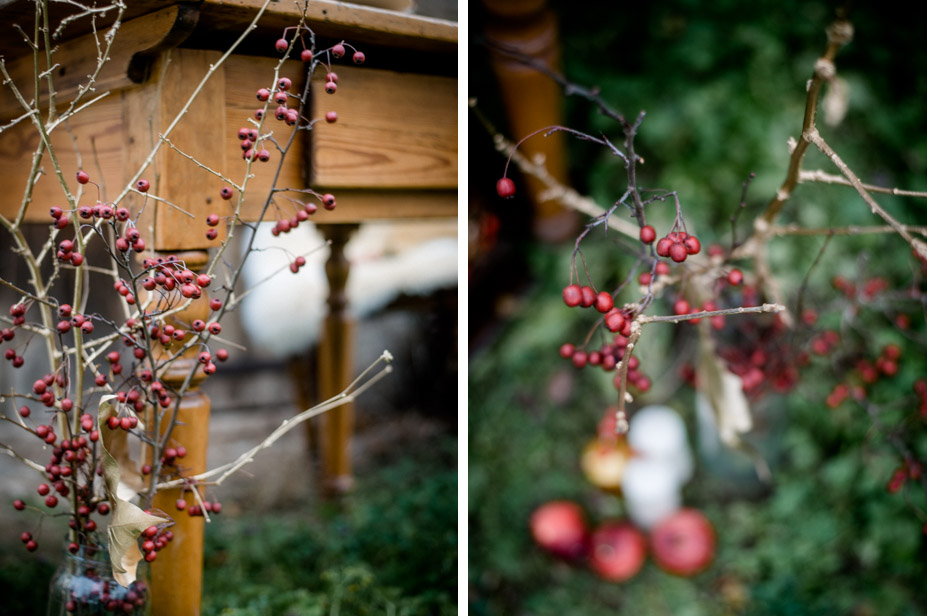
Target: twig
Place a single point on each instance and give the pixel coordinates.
(814, 137)
(827, 178)
(7, 450)
(800, 301)
(711, 313)
(350, 393)
(848, 230)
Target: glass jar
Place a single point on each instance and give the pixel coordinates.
(84, 585)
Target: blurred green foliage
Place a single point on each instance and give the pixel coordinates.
(389, 548)
(723, 87)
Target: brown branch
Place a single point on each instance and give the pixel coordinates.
(838, 34)
(813, 136)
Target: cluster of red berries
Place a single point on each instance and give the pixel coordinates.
(867, 372)
(585, 296)
(677, 245)
(69, 458)
(608, 356)
(169, 274)
(130, 238)
(42, 389)
(869, 290)
(99, 594)
(214, 507)
(18, 312)
(155, 539)
(285, 225)
(920, 388)
(910, 469)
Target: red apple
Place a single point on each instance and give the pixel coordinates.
(618, 551)
(683, 543)
(560, 528)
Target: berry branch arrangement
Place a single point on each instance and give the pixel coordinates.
(753, 339)
(112, 375)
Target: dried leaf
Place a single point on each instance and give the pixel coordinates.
(128, 520)
(724, 392)
(116, 442)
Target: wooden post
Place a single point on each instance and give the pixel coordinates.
(336, 364)
(532, 100)
(177, 573)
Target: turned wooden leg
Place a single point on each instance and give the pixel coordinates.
(177, 574)
(532, 100)
(336, 364)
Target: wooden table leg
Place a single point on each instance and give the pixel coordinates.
(336, 365)
(177, 573)
(532, 100)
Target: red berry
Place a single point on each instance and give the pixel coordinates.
(572, 296)
(678, 252)
(225, 193)
(505, 188)
(263, 95)
(211, 234)
(604, 301)
(588, 295)
(222, 354)
(693, 246)
(331, 87)
(328, 201)
(644, 279)
(567, 350)
(51, 501)
(281, 45)
(338, 50)
(263, 156)
(306, 55)
(19, 505)
(331, 76)
(663, 246)
(32, 546)
(681, 307)
(280, 98)
(579, 359)
(735, 277)
(648, 234)
(142, 185)
(359, 57)
(614, 320)
(181, 504)
(283, 84)
(331, 117)
(215, 328)
(82, 177)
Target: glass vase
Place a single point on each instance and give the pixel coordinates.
(84, 585)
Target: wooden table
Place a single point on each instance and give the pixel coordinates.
(392, 154)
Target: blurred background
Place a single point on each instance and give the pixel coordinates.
(723, 85)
